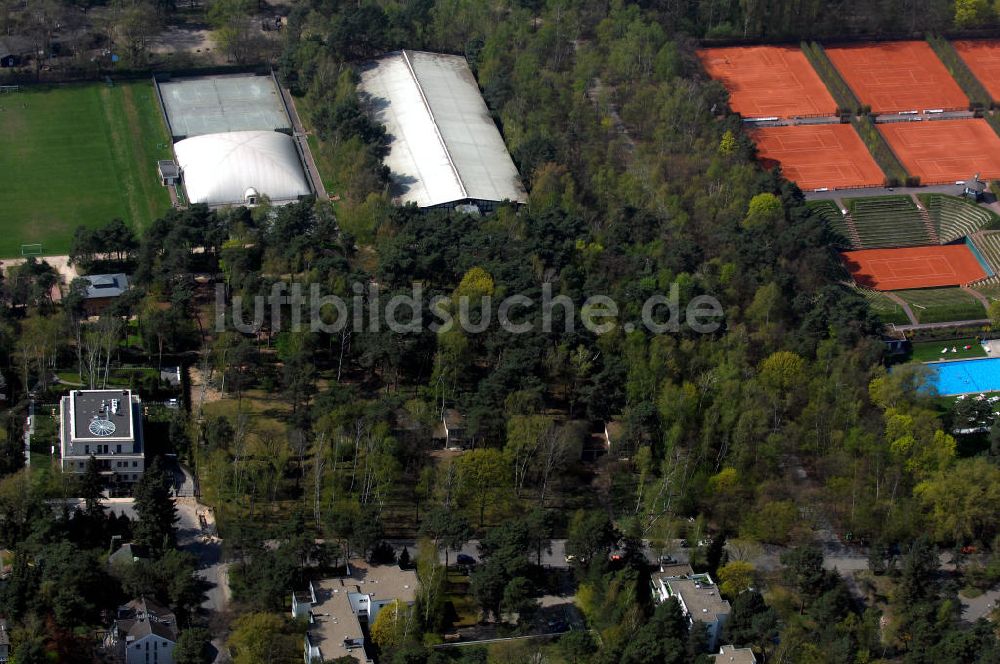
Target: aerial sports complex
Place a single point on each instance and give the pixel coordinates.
(852, 123)
(132, 149)
(232, 137)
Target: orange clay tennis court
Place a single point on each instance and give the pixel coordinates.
(945, 151)
(983, 58)
(768, 81)
(898, 76)
(817, 156)
(913, 267)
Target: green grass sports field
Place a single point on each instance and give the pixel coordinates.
(942, 305)
(78, 155)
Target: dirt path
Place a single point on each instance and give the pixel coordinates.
(202, 391)
(906, 307)
(60, 263)
(599, 95)
(979, 296)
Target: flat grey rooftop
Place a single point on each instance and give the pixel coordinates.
(91, 405)
(336, 630)
(220, 104)
(703, 602)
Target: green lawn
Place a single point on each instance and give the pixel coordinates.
(930, 351)
(882, 306)
(940, 305)
(78, 155)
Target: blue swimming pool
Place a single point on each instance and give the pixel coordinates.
(962, 376)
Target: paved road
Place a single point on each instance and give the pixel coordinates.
(882, 191)
(935, 326)
(190, 537)
(554, 556)
(208, 549)
(980, 607)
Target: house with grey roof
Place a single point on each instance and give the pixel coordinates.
(102, 290)
(699, 599)
(734, 655)
(145, 633)
(335, 608)
(14, 49)
(128, 554)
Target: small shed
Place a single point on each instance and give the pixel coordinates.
(170, 174)
(13, 50)
(451, 429)
(974, 188)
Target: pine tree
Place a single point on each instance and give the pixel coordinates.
(92, 489)
(155, 508)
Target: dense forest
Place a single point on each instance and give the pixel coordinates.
(768, 445)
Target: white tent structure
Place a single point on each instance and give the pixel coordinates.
(236, 168)
(444, 147)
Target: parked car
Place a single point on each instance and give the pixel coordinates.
(465, 559)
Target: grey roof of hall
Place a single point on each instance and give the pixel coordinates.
(443, 144)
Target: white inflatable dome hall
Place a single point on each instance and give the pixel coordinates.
(223, 169)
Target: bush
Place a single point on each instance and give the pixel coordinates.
(886, 159)
(772, 522)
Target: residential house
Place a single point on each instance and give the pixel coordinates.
(102, 290)
(451, 429)
(620, 441)
(613, 433)
(335, 608)
(14, 49)
(105, 424)
(658, 580)
(128, 554)
(145, 633)
(734, 655)
(700, 601)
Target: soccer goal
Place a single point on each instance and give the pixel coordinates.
(31, 249)
(9, 88)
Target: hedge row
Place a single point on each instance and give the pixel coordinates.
(847, 103)
(886, 159)
(978, 96)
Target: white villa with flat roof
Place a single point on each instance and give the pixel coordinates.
(334, 608)
(105, 424)
(699, 598)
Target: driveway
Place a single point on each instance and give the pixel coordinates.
(979, 607)
(199, 538)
